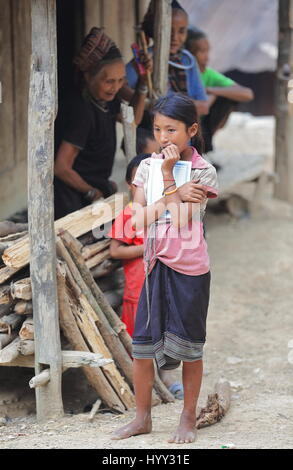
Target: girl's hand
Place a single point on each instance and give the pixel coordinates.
(171, 156)
(192, 192)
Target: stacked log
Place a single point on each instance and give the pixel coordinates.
(87, 318)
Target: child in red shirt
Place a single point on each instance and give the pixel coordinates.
(127, 245)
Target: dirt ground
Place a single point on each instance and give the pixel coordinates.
(249, 326)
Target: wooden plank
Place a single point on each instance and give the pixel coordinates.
(162, 36)
(41, 115)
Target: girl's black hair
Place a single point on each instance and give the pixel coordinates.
(134, 163)
(194, 34)
(181, 108)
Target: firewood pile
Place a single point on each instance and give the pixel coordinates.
(89, 285)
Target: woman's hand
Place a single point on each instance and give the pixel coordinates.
(171, 156)
(192, 192)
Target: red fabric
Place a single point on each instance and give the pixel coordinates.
(123, 231)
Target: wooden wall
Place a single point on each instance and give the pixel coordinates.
(14, 76)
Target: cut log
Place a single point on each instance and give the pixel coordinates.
(88, 239)
(98, 258)
(6, 339)
(4, 310)
(27, 329)
(10, 352)
(83, 358)
(105, 268)
(26, 347)
(23, 307)
(217, 405)
(41, 379)
(7, 228)
(77, 223)
(113, 319)
(86, 297)
(9, 323)
(13, 237)
(6, 273)
(71, 331)
(22, 289)
(10, 240)
(5, 295)
(90, 250)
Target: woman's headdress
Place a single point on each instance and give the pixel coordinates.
(96, 47)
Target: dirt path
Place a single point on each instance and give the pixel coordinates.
(249, 325)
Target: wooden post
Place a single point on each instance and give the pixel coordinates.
(284, 104)
(41, 115)
(129, 131)
(162, 36)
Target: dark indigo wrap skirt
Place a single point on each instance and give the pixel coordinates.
(176, 329)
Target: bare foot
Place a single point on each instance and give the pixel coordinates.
(186, 431)
(135, 427)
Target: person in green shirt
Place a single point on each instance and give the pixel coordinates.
(223, 92)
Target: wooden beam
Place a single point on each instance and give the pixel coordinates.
(129, 131)
(41, 115)
(284, 105)
(162, 36)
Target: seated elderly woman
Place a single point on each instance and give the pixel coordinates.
(223, 93)
(85, 131)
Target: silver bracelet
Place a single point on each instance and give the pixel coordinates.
(89, 196)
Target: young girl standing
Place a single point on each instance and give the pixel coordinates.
(171, 316)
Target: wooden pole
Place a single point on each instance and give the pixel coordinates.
(284, 105)
(163, 14)
(41, 115)
(129, 131)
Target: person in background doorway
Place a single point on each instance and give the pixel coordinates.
(184, 75)
(85, 128)
(223, 92)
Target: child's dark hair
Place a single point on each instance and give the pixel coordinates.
(134, 163)
(181, 108)
(194, 34)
